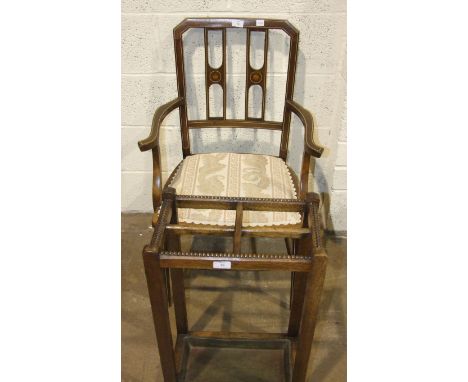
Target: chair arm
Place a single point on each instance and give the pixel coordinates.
(308, 121)
(161, 112)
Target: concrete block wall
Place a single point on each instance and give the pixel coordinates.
(148, 81)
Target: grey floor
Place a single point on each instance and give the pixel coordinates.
(231, 301)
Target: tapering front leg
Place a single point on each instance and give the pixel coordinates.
(160, 310)
(298, 290)
(178, 290)
(290, 248)
(297, 302)
(177, 277)
(313, 292)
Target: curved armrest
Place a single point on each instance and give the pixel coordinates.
(306, 118)
(161, 112)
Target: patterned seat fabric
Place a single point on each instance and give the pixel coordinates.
(235, 175)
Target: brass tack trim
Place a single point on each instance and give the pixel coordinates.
(234, 256)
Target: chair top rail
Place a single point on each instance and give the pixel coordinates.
(235, 22)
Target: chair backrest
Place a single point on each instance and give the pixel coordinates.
(217, 76)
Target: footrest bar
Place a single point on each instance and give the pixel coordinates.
(271, 232)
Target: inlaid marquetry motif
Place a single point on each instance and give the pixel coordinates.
(256, 77)
(215, 76)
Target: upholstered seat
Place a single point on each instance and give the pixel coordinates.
(235, 175)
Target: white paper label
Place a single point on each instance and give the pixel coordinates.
(260, 23)
(221, 264)
(238, 23)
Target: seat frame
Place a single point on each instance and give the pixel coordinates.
(306, 258)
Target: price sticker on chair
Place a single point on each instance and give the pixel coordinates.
(221, 265)
(237, 23)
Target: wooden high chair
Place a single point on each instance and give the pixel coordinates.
(238, 195)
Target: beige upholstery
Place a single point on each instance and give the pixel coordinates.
(230, 174)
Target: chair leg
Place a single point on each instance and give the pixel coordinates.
(167, 283)
(160, 310)
(314, 285)
(180, 308)
(297, 302)
(297, 288)
(289, 246)
(290, 249)
(253, 243)
(291, 288)
(178, 288)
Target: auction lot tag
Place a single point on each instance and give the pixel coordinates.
(238, 23)
(221, 265)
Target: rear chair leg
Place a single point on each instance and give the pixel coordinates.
(297, 303)
(177, 279)
(167, 283)
(290, 249)
(180, 309)
(178, 288)
(297, 293)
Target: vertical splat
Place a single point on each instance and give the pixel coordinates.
(215, 75)
(256, 76)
